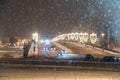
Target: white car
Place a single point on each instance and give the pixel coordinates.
(62, 52)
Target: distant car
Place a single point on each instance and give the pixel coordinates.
(62, 52)
(53, 48)
(89, 57)
(110, 59)
(45, 48)
(119, 59)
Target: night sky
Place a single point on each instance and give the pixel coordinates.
(50, 17)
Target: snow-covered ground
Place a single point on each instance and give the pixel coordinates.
(10, 52)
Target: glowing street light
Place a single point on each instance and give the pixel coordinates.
(86, 37)
(93, 38)
(35, 36)
(62, 37)
(72, 36)
(68, 36)
(81, 37)
(102, 35)
(65, 36)
(76, 36)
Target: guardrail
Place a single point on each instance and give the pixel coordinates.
(69, 61)
(104, 48)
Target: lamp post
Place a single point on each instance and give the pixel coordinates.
(103, 41)
(93, 38)
(64, 36)
(86, 37)
(81, 37)
(76, 36)
(35, 36)
(102, 35)
(68, 36)
(35, 40)
(72, 36)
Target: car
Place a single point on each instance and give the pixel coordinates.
(110, 59)
(62, 52)
(53, 48)
(89, 57)
(45, 49)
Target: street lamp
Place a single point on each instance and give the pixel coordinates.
(72, 36)
(76, 36)
(35, 40)
(102, 41)
(63, 37)
(81, 37)
(69, 36)
(102, 35)
(86, 37)
(35, 36)
(93, 38)
(58, 38)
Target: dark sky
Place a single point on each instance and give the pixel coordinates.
(22, 17)
(47, 17)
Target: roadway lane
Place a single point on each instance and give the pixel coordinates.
(40, 51)
(47, 50)
(56, 74)
(53, 54)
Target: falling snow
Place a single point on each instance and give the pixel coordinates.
(22, 17)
